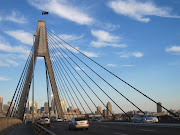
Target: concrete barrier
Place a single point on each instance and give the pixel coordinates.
(8, 122)
(40, 130)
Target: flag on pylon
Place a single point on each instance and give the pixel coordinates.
(44, 13)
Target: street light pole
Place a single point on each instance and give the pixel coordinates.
(33, 86)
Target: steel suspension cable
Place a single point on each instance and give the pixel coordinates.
(103, 79)
(21, 80)
(73, 89)
(91, 80)
(112, 73)
(76, 86)
(62, 89)
(62, 80)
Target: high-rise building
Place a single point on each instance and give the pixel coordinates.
(63, 105)
(42, 109)
(159, 108)
(1, 103)
(77, 111)
(5, 107)
(109, 109)
(46, 107)
(70, 109)
(99, 110)
(53, 103)
(29, 108)
(104, 112)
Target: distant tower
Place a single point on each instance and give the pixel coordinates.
(30, 104)
(99, 109)
(1, 103)
(53, 103)
(46, 107)
(159, 108)
(63, 105)
(109, 107)
(70, 109)
(104, 112)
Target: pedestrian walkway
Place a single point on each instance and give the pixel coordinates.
(21, 129)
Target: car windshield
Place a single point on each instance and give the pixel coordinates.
(79, 119)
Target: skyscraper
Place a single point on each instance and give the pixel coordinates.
(70, 109)
(63, 105)
(30, 104)
(159, 108)
(104, 112)
(98, 110)
(46, 107)
(53, 103)
(1, 103)
(109, 109)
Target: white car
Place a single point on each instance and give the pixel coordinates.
(45, 120)
(144, 118)
(78, 122)
(59, 120)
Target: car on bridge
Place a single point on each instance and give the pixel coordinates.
(98, 119)
(59, 120)
(78, 123)
(45, 120)
(146, 118)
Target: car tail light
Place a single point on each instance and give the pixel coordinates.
(75, 123)
(87, 122)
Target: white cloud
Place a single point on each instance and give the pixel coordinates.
(105, 39)
(63, 9)
(110, 26)
(3, 79)
(104, 36)
(0, 18)
(139, 10)
(7, 60)
(24, 37)
(77, 68)
(137, 54)
(90, 54)
(130, 54)
(112, 65)
(16, 17)
(15, 49)
(70, 37)
(104, 44)
(174, 49)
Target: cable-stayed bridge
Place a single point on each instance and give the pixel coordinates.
(85, 88)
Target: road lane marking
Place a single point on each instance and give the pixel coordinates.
(147, 130)
(120, 133)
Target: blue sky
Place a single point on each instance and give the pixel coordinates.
(139, 40)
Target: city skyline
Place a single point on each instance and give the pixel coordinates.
(70, 112)
(142, 48)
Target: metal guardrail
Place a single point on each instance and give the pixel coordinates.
(40, 130)
(8, 122)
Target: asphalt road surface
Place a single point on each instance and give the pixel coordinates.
(120, 128)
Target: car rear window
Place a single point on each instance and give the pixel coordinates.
(44, 117)
(79, 119)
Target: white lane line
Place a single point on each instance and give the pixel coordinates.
(120, 133)
(147, 130)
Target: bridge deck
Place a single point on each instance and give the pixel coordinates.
(21, 129)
